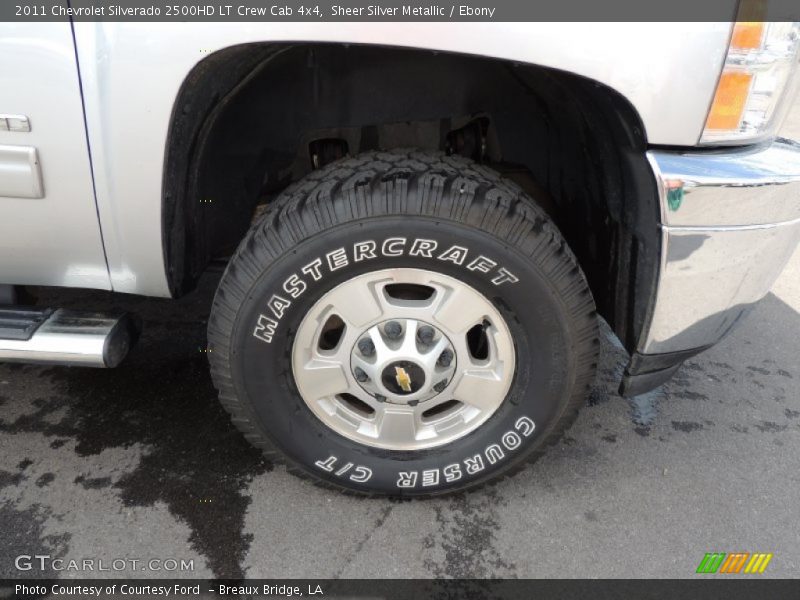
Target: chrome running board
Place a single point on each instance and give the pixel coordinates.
(64, 337)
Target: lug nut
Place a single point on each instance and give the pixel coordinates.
(380, 398)
(366, 347)
(440, 386)
(445, 358)
(360, 374)
(393, 330)
(425, 334)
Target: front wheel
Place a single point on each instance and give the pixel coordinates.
(403, 324)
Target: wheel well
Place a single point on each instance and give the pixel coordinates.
(251, 119)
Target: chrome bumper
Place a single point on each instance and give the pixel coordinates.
(730, 221)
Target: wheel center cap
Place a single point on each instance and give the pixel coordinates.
(403, 377)
(403, 361)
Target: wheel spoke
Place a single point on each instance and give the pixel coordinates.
(481, 388)
(358, 309)
(459, 309)
(500, 345)
(381, 349)
(409, 346)
(431, 356)
(368, 367)
(324, 378)
(397, 425)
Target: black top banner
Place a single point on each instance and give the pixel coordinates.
(342, 11)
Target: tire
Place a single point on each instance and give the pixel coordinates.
(371, 219)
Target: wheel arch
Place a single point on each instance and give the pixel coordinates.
(243, 114)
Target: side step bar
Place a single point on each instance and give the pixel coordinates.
(65, 337)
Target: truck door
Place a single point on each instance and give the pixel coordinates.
(49, 229)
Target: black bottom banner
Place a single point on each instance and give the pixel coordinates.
(378, 589)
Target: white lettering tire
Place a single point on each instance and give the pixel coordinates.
(403, 324)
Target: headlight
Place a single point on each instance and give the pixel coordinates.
(756, 83)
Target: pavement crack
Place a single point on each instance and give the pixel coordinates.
(384, 514)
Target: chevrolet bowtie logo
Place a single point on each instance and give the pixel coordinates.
(402, 379)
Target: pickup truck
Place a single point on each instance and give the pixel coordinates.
(421, 222)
